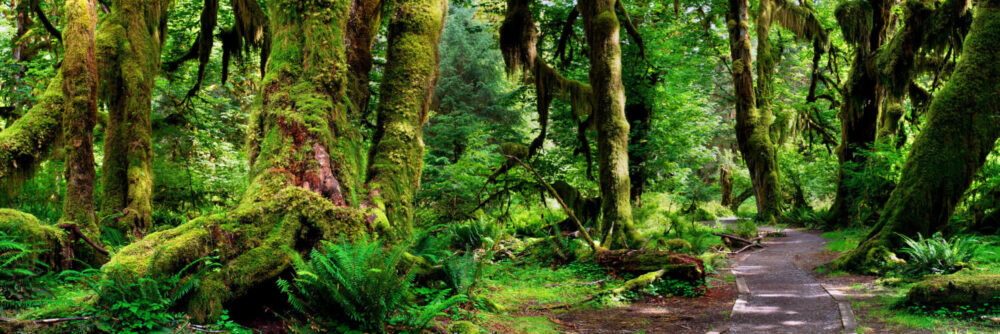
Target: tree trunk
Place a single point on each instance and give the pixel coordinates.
(639, 112)
(752, 131)
(601, 26)
(863, 94)
(398, 147)
(726, 184)
(128, 42)
(759, 147)
(960, 131)
(306, 156)
(79, 68)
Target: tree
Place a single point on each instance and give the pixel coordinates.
(604, 97)
(310, 179)
(960, 131)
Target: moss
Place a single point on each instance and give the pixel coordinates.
(47, 239)
(639, 282)
(25, 143)
(956, 290)
(677, 245)
(463, 327)
(855, 20)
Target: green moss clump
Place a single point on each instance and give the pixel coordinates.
(956, 290)
(463, 327)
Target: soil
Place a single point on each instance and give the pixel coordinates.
(658, 315)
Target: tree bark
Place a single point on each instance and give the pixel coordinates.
(601, 26)
(128, 43)
(307, 160)
(960, 131)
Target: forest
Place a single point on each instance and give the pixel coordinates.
(499, 166)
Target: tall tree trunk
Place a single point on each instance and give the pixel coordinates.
(863, 93)
(79, 68)
(960, 131)
(639, 112)
(398, 147)
(601, 26)
(752, 132)
(129, 41)
(306, 157)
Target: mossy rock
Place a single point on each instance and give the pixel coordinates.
(463, 327)
(956, 290)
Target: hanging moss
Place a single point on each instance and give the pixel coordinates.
(855, 20)
(960, 131)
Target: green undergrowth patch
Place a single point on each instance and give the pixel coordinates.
(844, 239)
(533, 285)
(889, 312)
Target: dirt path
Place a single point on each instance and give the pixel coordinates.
(776, 296)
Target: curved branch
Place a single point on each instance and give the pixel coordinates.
(37, 8)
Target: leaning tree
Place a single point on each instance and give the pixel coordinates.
(960, 131)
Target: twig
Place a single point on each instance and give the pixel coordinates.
(76, 230)
(747, 246)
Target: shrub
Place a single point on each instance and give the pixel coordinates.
(938, 255)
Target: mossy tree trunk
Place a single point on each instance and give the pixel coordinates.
(397, 149)
(865, 25)
(129, 41)
(79, 68)
(601, 26)
(752, 130)
(306, 154)
(759, 149)
(960, 131)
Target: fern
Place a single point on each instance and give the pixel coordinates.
(360, 280)
(938, 255)
(463, 272)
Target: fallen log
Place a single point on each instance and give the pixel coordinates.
(955, 290)
(674, 265)
(734, 241)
